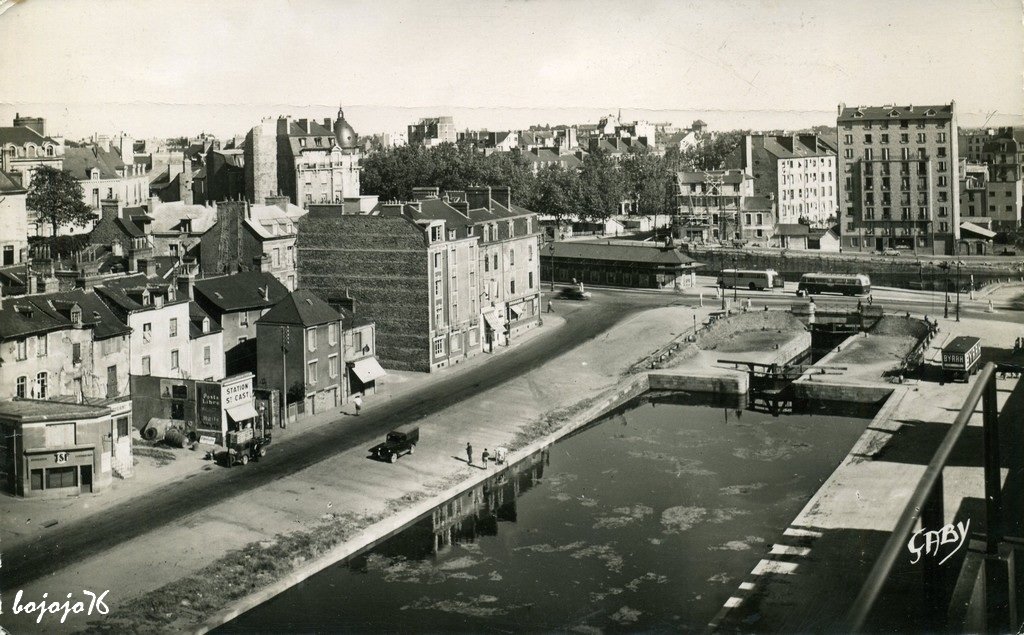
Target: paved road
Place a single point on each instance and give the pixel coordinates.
(99, 532)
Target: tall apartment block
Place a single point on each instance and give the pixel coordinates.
(899, 185)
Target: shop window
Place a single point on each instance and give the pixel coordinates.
(61, 477)
(37, 480)
(439, 347)
(122, 427)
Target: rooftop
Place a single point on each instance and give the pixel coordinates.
(943, 112)
(242, 291)
(33, 410)
(616, 252)
(301, 307)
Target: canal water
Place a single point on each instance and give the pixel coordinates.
(646, 520)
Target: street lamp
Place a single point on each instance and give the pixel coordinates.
(958, 264)
(551, 248)
(945, 268)
(734, 274)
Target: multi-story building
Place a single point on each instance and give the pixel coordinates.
(236, 302)
(433, 131)
(14, 229)
(508, 270)
(25, 146)
(302, 159)
(360, 354)
(62, 344)
(710, 204)
(798, 171)
(300, 351)
(104, 176)
(1004, 154)
(158, 317)
(898, 178)
(414, 275)
(207, 339)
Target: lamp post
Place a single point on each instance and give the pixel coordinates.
(958, 263)
(945, 309)
(551, 248)
(734, 274)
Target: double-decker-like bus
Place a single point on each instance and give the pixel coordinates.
(846, 284)
(750, 279)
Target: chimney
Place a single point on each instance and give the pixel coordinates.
(424, 193)
(117, 249)
(479, 197)
(33, 284)
(110, 209)
(279, 200)
(185, 282)
(840, 109)
(394, 208)
(502, 195)
(328, 124)
(153, 202)
(461, 206)
(147, 266)
(265, 292)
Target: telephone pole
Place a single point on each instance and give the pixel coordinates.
(284, 376)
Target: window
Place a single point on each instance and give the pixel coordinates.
(41, 346)
(174, 327)
(511, 257)
(920, 137)
(529, 253)
(487, 263)
(868, 154)
(357, 341)
(60, 435)
(435, 233)
(276, 256)
(20, 388)
(243, 319)
(145, 365)
(848, 139)
(904, 138)
(885, 138)
(512, 286)
(22, 350)
(456, 343)
(332, 366)
(122, 427)
(332, 333)
(848, 153)
(61, 477)
(438, 347)
(867, 138)
(529, 280)
(454, 286)
(451, 258)
(206, 356)
(311, 373)
(174, 359)
(495, 262)
(76, 353)
(437, 260)
(41, 385)
(147, 332)
(311, 339)
(942, 151)
(941, 137)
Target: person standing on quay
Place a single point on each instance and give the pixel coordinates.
(358, 401)
(469, 454)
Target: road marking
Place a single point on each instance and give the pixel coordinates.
(774, 566)
(733, 602)
(746, 586)
(794, 531)
(786, 550)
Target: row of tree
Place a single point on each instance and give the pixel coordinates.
(595, 190)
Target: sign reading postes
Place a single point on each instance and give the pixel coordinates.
(60, 457)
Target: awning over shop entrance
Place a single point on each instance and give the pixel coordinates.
(977, 229)
(516, 310)
(242, 412)
(494, 322)
(368, 369)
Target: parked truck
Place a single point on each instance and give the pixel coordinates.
(961, 358)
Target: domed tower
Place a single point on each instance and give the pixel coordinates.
(343, 133)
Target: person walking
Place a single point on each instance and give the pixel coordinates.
(485, 457)
(469, 454)
(358, 402)
(550, 310)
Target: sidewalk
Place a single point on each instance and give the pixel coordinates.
(22, 519)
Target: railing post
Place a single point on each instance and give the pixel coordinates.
(933, 517)
(993, 482)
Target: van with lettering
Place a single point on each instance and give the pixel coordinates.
(961, 358)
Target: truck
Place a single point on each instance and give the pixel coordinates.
(246, 444)
(401, 440)
(961, 358)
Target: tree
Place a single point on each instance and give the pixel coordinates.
(601, 185)
(56, 197)
(712, 152)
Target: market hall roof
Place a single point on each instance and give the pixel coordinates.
(616, 253)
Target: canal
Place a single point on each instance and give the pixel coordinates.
(647, 519)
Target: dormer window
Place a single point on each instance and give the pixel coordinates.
(206, 325)
(894, 113)
(76, 316)
(94, 174)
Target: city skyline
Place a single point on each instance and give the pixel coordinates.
(502, 65)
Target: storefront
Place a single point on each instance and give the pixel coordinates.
(55, 449)
(363, 374)
(495, 329)
(205, 410)
(225, 406)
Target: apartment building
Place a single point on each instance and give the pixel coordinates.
(898, 178)
(710, 204)
(433, 131)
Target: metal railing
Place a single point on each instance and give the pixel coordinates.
(926, 504)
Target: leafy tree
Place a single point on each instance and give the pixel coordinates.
(56, 197)
(557, 192)
(712, 151)
(602, 187)
(649, 183)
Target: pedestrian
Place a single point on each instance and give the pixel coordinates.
(358, 401)
(485, 457)
(469, 454)
(550, 310)
(871, 300)
(860, 306)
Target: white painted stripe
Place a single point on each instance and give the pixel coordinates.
(793, 531)
(774, 566)
(786, 550)
(747, 586)
(733, 602)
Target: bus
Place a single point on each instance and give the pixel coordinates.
(847, 284)
(750, 279)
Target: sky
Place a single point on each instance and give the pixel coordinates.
(158, 68)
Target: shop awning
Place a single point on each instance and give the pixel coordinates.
(368, 369)
(516, 310)
(977, 229)
(241, 412)
(494, 322)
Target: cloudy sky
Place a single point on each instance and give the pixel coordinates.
(175, 68)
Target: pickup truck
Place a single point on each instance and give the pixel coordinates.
(401, 440)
